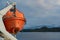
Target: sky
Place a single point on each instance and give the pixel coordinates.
(38, 12)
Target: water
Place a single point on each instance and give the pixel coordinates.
(38, 36)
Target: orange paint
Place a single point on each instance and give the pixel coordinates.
(14, 24)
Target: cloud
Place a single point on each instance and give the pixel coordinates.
(44, 3)
(40, 11)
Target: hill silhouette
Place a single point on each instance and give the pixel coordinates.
(43, 29)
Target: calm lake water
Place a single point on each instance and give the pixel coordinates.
(38, 36)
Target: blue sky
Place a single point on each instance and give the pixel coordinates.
(38, 12)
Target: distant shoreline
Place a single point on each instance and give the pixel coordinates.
(43, 29)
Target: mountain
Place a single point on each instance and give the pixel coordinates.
(43, 29)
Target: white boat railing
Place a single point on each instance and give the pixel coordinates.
(2, 27)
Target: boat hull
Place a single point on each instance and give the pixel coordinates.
(14, 24)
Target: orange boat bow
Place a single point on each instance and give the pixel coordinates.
(14, 24)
